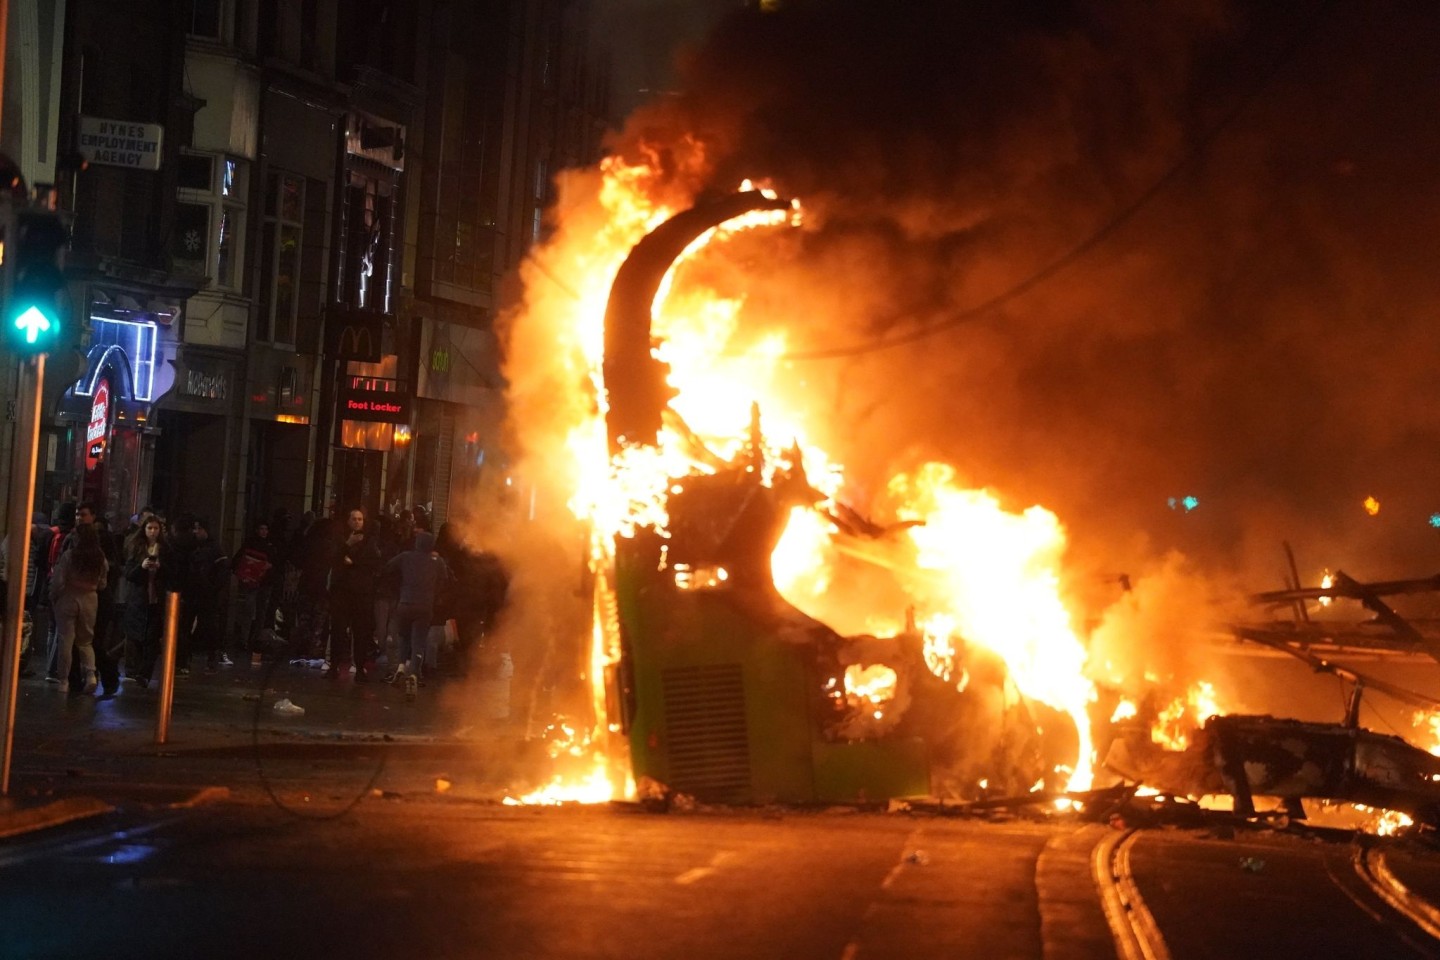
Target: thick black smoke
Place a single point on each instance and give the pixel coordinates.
(1260, 334)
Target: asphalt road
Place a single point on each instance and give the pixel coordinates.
(371, 827)
(420, 877)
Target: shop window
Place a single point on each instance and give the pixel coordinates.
(209, 234)
(280, 251)
(368, 264)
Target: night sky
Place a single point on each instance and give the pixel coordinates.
(1209, 230)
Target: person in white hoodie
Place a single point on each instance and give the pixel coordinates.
(80, 573)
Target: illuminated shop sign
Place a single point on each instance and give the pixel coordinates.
(377, 406)
(96, 433)
(131, 343)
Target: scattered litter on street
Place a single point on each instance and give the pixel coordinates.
(287, 709)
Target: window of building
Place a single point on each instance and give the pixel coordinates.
(280, 257)
(207, 19)
(210, 219)
(469, 185)
(369, 233)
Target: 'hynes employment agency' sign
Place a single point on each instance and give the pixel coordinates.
(377, 406)
(120, 144)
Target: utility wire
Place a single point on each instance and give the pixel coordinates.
(1123, 216)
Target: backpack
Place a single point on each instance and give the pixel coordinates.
(43, 541)
(57, 544)
(251, 566)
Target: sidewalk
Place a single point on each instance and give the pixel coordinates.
(225, 737)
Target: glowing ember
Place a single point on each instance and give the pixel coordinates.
(1384, 823)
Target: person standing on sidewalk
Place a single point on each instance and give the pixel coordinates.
(205, 577)
(105, 664)
(78, 575)
(107, 618)
(151, 571)
(314, 559)
(422, 574)
(254, 567)
(41, 534)
(181, 538)
(352, 600)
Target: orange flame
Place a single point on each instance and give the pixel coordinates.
(974, 572)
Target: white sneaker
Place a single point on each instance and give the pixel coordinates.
(90, 681)
(225, 660)
(287, 709)
(64, 686)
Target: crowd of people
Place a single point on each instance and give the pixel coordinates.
(346, 590)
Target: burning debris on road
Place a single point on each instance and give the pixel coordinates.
(766, 623)
(724, 566)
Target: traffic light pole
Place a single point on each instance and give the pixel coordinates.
(22, 501)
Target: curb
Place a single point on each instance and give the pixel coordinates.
(67, 810)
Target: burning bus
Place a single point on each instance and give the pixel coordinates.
(717, 685)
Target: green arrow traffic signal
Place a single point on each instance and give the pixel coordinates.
(32, 323)
(35, 294)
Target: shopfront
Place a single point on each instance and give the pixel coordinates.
(458, 462)
(103, 449)
(196, 449)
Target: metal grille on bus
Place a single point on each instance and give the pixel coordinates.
(705, 723)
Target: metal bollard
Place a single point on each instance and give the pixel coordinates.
(167, 666)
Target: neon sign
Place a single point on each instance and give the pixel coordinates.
(98, 428)
(131, 341)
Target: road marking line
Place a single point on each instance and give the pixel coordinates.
(852, 949)
(690, 876)
(700, 873)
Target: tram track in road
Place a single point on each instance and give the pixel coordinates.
(1371, 867)
(1137, 935)
(1304, 884)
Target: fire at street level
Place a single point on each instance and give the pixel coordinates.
(769, 624)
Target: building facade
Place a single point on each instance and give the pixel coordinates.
(290, 239)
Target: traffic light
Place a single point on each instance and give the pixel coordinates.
(35, 243)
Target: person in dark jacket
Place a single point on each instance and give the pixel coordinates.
(152, 572)
(206, 573)
(352, 599)
(422, 575)
(314, 560)
(109, 637)
(254, 568)
(182, 542)
(477, 596)
(36, 575)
